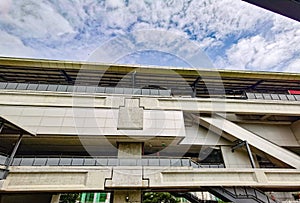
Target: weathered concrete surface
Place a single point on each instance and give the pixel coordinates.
(130, 149)
(237, 159)
(56, 178)
(64, 179)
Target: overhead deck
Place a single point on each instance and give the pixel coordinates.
(182, 81)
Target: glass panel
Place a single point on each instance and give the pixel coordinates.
(291, 97)
(100, 89)
(101, 162)
(11, 86)
(127, 162)
(112, 162)
(70, 89)
(275, 97)
(52, 87)
(137, 91)
(52, 161)
(145, 162)
(90, 162)
(65, 161)
(267, 96)
(154, 92)
(119, 90)
(91, 89)
(127, 90)
(175, 162)
(297, 97)
(40, 161)
(145, 91)
(77, 162)
(164, 162)
(22, 86)
(3, 85)
(32, 86)
(16, 162)
(259, 96)
(62, 88)
(80, 89)
(42, 87)
(27, 162)
(110, 90)
(185, 162)
(2, 160)
(153, 162)
(282, 97)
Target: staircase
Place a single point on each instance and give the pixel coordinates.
(240, 194)
(192, 198)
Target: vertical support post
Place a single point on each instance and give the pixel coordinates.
(133, 79)
(1, 126)
(13, 153)
(11, 158)
(250, 154)
(194, 87)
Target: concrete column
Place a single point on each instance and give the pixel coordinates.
(130, 149)
(130, 196)
(55, 198)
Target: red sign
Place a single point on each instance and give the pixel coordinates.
(294, 91)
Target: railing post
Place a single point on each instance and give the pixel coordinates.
(9, 161)
(250, 154)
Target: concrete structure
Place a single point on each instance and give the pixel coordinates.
(83, 127)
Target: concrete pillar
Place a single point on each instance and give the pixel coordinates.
(55, 198)
(130, 196)
(130, 149)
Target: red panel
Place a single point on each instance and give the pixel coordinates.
(294, 91)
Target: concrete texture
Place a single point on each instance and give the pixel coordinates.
(45, 179)
(130, 196)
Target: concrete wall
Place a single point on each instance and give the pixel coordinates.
(296, 130)
(281, 135)
(237, 159)
(198, 135)
(88, 121)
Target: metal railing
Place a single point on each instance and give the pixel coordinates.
(268, 96)
(109, 161)
(84, 89)
(247, 193)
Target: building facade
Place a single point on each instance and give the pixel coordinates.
(88, 127)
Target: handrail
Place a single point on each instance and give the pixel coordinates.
(109, 161)
(247, 195)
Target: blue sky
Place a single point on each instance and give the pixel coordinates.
(230, 34)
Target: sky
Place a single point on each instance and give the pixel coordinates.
(225, 34)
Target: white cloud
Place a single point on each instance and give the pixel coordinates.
(244, 36)
(274, 51)
(13, 46)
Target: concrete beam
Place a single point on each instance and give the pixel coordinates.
(56, 99)
(55, 179)
(75, 179)
(221, 124)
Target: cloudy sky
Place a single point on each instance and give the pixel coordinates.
(231, 33)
